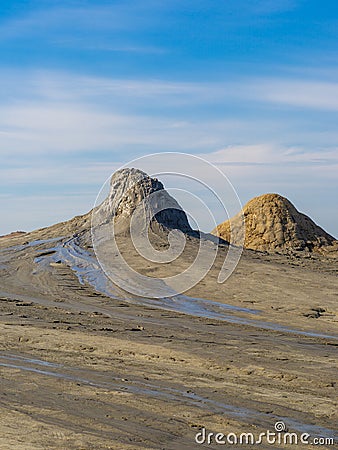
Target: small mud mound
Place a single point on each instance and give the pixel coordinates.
(273, 224)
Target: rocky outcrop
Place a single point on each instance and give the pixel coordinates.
(272, 223)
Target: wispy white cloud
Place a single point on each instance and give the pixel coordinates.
(58, 85)
(100, 26)
(317, 95)
(63, 112)
(65, 86)
(268, 154)
(39, 128)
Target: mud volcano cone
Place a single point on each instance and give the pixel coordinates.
(273, 224)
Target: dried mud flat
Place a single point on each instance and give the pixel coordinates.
(81, 370)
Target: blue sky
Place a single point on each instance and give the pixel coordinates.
(252, 86)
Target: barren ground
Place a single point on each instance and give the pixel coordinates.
(80, 370)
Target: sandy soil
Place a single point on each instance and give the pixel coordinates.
(80, 370)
